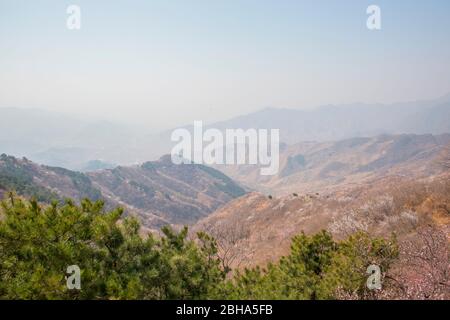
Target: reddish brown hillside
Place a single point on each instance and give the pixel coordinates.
(255, 229)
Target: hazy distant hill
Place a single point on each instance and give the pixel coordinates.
(68, 141)
(328, 166)
(159, 192)
(95, 165)
(61, 140)
(332, 123)
(336, 122)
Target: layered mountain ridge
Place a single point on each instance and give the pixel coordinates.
(66, 141)
(159, 192)
(330, 166)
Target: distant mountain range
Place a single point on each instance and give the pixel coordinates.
(338, 122)
(60, 140)
(159, 192)
(330, 166)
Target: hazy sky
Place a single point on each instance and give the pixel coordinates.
(169, 62)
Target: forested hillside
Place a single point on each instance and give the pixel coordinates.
(159, 192)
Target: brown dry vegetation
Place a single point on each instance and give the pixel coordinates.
(255, 229)
(263, 227)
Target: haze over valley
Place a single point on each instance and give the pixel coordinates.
(59, 139)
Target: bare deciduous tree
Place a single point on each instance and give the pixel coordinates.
(230, 252)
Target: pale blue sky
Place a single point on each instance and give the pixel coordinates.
(169, 62)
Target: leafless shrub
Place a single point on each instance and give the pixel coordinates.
(351, 222)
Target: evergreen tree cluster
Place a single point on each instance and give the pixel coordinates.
(38, 243)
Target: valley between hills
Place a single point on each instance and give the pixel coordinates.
(339, 186)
